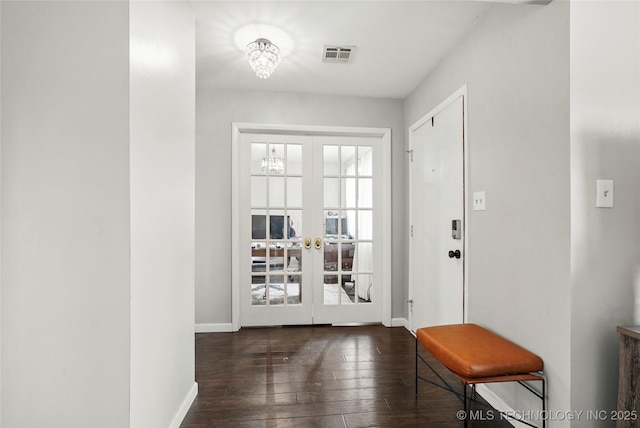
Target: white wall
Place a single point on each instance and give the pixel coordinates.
(605, 144)
(516, 65)
(162, 211)
(216, 110)
(97, 213)
(65, 214)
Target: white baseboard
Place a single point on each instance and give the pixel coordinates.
(214, 328)
(184, 407)
(400, 322)
(497, 403)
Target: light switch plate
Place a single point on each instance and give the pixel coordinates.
(479, 201)
(604, 193)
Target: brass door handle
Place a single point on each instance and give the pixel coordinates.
(307, 243)
(318, 243)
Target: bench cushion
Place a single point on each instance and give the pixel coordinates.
(475, 352)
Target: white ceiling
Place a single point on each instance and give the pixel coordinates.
(398, 43)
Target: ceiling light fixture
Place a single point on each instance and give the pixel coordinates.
(263, 56)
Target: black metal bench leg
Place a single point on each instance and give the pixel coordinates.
(416, 368)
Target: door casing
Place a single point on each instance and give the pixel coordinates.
(384, 134)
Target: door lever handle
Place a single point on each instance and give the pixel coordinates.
(455, 254)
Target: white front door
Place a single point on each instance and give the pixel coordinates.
(437, 208)
(310, 235)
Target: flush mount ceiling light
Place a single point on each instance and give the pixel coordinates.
(263, 56)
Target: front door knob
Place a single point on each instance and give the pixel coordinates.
(455, 254)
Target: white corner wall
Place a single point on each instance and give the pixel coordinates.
(65, 214)
(162, 212)
(515, 63)
(605, 144)
(97, 221)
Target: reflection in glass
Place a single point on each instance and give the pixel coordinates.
(294, 258)
(330, 257)
(331, 192)
(277, 291)
(294, 294)
(365, 225)
(258, 290)
(276, 225)
(331, 160)
(331, 290)
(346, 256)
(365, 162)
(258, 192)
(294, 192)
(258, 257)
(364, 285)
(349, 193)
(295, 230)
(258, 153)
(365, 193)
(348, 165)
(294, 159)
(276, 191)
(364, 257)
(348, 230)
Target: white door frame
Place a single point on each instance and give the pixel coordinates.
(462, 92)
(384, 134)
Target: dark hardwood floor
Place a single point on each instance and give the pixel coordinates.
(319, 376)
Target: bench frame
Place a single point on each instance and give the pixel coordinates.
(467, 381)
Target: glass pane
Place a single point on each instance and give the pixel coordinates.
(365, 225)
(363, 257)
(330, 257)
(258, 154)
(348, 286)
(258, 257)
(276, 225)
(365, 162)
(349, 193)
(294, 297)
(294, 220)
(348, 224)
(276, 257)
(258, 191)
(331, 224)
(275, 160)
(331, 290)
(294, 259)
(365, 193)
(258, 224)
(348, 250)
(294, 192)
(294, 159)
(258, 291)
(364, 286)
(348, 166)
(331, 160)
(331, 192)
(276, 293)
(276, 191)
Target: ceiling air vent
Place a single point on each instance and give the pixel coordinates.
(338, 54)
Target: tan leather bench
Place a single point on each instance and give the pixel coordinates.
(475, 356)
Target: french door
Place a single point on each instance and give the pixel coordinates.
(310, 237)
